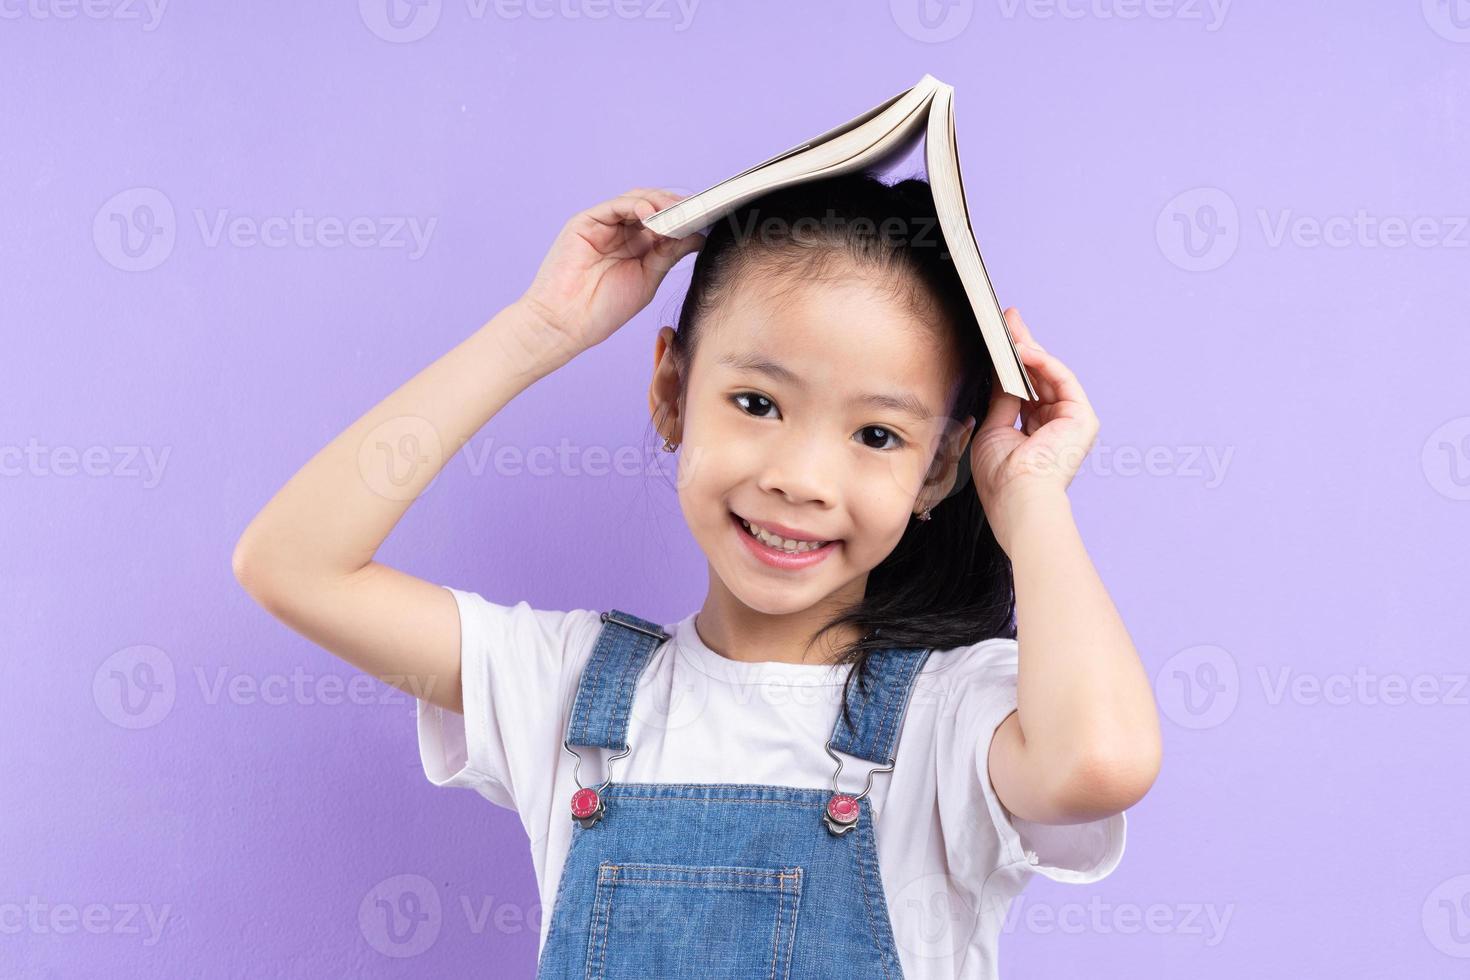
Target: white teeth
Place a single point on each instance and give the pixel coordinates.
(780, 543)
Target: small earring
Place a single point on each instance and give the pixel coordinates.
(670, 446)
(924, 516)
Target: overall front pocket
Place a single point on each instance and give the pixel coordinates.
(675, 920)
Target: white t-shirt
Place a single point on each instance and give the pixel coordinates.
(951, 857)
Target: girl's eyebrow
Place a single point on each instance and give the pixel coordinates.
(903, 402)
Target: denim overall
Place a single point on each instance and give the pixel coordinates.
(722, 880)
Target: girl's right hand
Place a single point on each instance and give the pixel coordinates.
(604, 267)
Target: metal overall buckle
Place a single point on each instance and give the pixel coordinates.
(588, 806)
(841, 812)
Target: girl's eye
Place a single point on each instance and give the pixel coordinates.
(759, 405)
(897, 440)
(761, 402)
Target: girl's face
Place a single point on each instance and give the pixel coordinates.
(816, 415)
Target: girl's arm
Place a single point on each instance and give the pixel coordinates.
(307, 557)
(1084, 741)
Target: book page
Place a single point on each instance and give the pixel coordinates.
(698, 210)
(944, 159)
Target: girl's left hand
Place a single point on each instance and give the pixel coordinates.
(1012, 466)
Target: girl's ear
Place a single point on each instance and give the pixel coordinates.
(941, 480)
(663, 389)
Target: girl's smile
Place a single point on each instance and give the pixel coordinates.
(778, 551)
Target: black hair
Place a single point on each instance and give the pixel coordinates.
(947, 583)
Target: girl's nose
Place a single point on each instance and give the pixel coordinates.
(802, 471)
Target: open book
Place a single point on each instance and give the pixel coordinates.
(873, 140)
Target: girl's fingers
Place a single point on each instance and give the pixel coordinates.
(1002, 411)
(627, 208)
(667, 253)
(1044, 390)
(614, 227)
(664, 198)
(657, 197)
(656, 193)
(1019, 331)
(1054, 380)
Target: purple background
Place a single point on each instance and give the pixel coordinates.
(1324, 545)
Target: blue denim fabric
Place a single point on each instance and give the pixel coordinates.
(721, 880)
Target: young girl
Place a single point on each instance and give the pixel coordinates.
(844, 763)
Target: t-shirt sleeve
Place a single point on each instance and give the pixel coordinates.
(518, 669)
(1075, 853)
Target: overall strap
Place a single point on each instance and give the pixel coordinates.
(878, 705)
(605, 692)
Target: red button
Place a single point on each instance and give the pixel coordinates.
(843, 808)
(584, 803)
